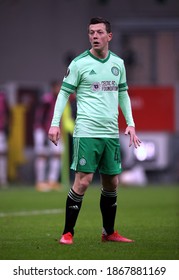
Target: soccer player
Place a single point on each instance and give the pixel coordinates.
(98, 78)
(48, 156)
(4, 124)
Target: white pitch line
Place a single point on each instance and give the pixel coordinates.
(31, 213)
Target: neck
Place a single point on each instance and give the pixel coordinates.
(101, 54)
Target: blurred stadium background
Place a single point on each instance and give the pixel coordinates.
(38, 39)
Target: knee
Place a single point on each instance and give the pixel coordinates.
(84, 183)
(110, 183)
(81, 184)
(116, 181)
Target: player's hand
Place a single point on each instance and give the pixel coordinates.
(130, 130)
(54, 134)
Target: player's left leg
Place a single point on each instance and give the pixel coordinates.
(108, 206)
(108, 202)
(110, 168)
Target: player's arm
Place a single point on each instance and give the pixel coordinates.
(68, 87)
(125, 105)
(54, 131)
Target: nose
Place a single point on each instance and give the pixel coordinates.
(95, 35)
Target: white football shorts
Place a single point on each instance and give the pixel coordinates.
(43, 146)
(3, 142)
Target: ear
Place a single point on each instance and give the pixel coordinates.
(110, 36)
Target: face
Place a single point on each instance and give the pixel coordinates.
(98, 36)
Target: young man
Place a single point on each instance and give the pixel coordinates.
(98, 78)
(4, 125)
(48, 156)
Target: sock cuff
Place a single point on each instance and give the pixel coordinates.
(74, 196)
(108, 193)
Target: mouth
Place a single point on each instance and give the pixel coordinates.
(95, 44)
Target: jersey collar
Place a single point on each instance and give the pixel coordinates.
(98, 59)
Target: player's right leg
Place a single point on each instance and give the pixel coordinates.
(73, 205)
(84, 165)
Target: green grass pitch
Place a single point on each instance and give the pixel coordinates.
(30, 226)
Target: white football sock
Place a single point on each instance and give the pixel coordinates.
(3, 169)
(40, 169)
(54, 169)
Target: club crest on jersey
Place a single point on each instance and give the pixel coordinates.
(115, 71)
(95, 86)
(82, 161)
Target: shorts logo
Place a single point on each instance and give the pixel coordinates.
(82, 161)
(115, 71)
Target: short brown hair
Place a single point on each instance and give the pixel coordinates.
(97, 20)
